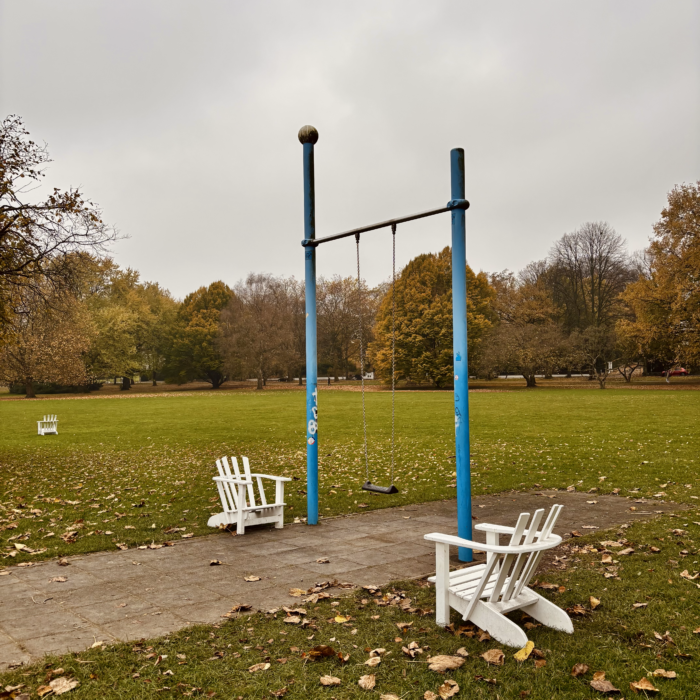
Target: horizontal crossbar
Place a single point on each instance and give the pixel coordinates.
(454, 204)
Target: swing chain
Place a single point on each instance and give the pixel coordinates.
(362, 354)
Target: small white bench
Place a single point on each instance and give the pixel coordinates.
(486, 592)
(48, 426)
(237, 494)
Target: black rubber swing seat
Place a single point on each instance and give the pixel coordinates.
(369, 486)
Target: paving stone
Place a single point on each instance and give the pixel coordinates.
(59, 621)
(375, 556)
(65, 641)
(145, 625)
(120, 608)
(11, 654)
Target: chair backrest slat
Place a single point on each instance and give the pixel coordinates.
(248, 477)
(508, 559)
(522, 559)
(535, 560)
(231, 502)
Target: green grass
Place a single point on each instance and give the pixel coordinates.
(615, 638)
(135, 467)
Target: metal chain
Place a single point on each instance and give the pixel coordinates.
(362, 355)
(393, 346)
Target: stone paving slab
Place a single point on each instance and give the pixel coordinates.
(134, 594)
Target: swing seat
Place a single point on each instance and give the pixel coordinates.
(369, 486)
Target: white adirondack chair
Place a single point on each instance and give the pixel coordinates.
(237, 495)
(485, 592)
(48, 426)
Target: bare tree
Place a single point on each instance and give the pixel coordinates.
(255, 328)
(598, 349)
(38, 240)
(588, 270)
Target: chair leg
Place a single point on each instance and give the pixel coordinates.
(240, 520)
(442, 583)
(498, 626)
(279, 524)
(549, 614)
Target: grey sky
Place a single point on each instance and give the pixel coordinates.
(180, 119)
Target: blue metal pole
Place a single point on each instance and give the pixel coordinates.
(308, 136)
(459, 342)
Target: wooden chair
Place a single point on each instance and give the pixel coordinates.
(486, 592)
(48, 426)
(237, 495)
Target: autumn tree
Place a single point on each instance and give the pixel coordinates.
(49, 334)
(424, 320)
(666, 300)
(193, 351)
(39, 237)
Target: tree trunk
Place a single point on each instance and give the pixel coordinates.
(530, 380)
(301, 379)
(29, 389)
(601, 377)
(126, 384)
(155, 383)
(261, 384)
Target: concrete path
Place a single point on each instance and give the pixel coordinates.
(133, 594)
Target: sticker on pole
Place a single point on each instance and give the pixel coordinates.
(311, 441)
(313, 427)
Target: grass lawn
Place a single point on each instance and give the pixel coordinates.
(126, 470)
(628, 643)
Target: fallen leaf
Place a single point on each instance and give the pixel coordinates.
(579, 670)
(442, 663)
(625, 552)
(281, 692)
(292, 620)
(367, 682)
(404, 625)
(341, 618)
(63, 562)
(492, 681)
(660, 673)
(460, 652)
(644, 684)
(250, 579)
(540, 663)
(320, 651)
(43, 690)
(495, 657)
(639, 605)
(215, 562)
(323, 560)
(373, 661)
(448, 689)
(63, 685)
(258, 667)
(525, 652)
(58, 579)
(329, 680)
(594, 602)
(429, 695)
(599, 676)
(606, 559)
(484, 636)
(577, 610)
(685, 574)
(603, 686)
(389, 696)
(296, 592)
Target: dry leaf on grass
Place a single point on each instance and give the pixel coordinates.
(44, 690)
(373, 661)
(525, 652)
(442, 663)
(601, 685)
(577, 610)
(594, 602)
(492, 681)
(389, 696)
(429, 695)
(540, 663)
(319, 652)
(258, 667)
(296, 592)
(660, 673)
(378, 652)
(292, 620)
(495, 657)
(329, 680)
(448, 689)
(579, 670)
(685, 574)
(250, 579)
(281, 692)
(461, 652)
(404, 625)
(412, 649)
(636, 606)
(484, 636)
(63, 685)
(341, 618)
(644, 684)
(367, 682)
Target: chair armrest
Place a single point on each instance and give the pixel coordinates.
(551, 541)
(276, 478)
(231, 480)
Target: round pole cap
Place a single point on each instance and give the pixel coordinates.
(308, 134)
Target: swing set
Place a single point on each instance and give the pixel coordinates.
(308, 136)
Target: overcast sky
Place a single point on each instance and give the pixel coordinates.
(180, 118)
